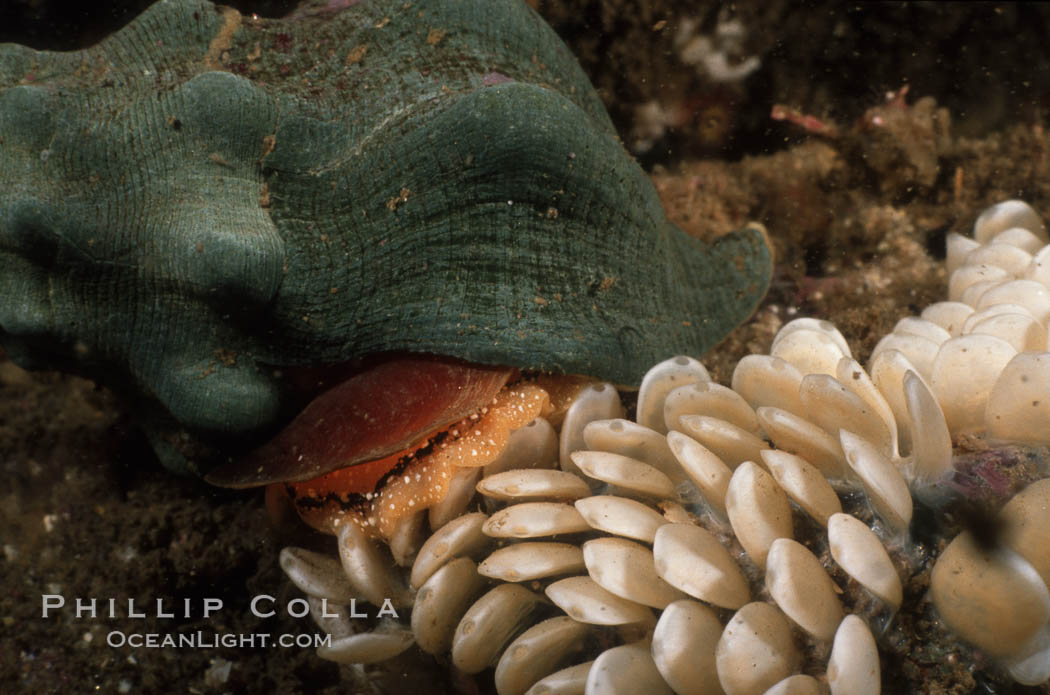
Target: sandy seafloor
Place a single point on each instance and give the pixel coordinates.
(858, 215)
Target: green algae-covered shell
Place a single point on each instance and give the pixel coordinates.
(204, 196)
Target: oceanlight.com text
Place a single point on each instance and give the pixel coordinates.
(211, 640)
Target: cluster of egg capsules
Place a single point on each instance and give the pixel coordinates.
(591, 523)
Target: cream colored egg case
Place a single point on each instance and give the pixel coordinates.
(676, 532)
